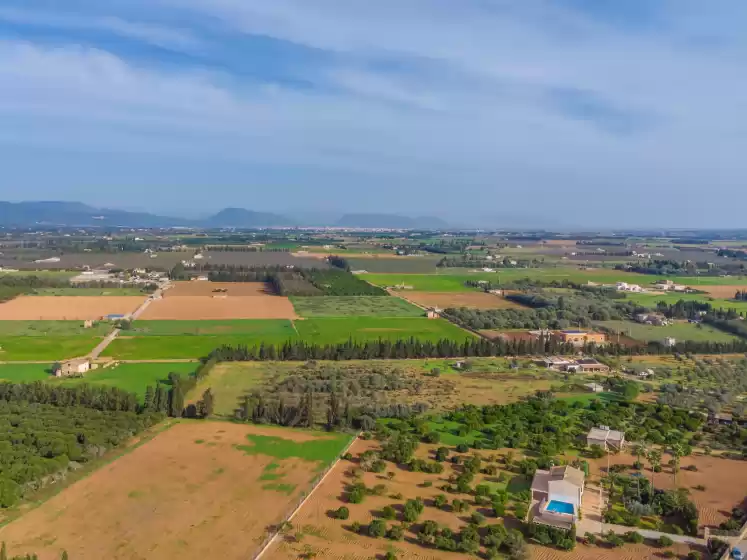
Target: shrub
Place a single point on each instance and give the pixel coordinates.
(462, 448)
(590, 538)
(390, 555)
(693, 555)
(348, 456)
(427, 484)
(442, 453)
(665, 541)
(356, 495)
(614, 540)
(440, 501)
(413, 509)
(634, 537)
(396, 533)
(432, 437)
(499, 510)
(520, 511)
(477, 518)
(377, 528)
(342, 513)
(388, 512)
(459, 506)
(356, 527)
(378, 466)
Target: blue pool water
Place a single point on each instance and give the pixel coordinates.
(559, 507)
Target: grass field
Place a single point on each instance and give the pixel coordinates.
(53, 328)
(650, 300)
(25, 373)
(163, 340)
(134, 378)
(40, 273)
(360, 306)
(44, 348)
(395, 265)
(448, 280)
(680, 331)
(88, 292)
(334, 330)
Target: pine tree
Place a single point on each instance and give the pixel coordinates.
(148, 401)
(176, 403)
(209, 402)
(3, 552)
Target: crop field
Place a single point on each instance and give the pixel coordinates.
(350, 306)
(89, 292)
(679, 331)
(45, 348)
(59, 274)
(452, 280)
(650, 300)
(393, 264)
(337, 330)
(198, 490)
(53, 328)
(699, 282)
(161, 261)
(61, 308)
(25, 373)
(723, 292)
(445, 300)
(260, 258)
(206, 307)
(210, 289)
(158, 340)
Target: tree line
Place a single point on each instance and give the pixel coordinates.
(170, 400)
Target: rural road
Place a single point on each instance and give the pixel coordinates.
(96, 352)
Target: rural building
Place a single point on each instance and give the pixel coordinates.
(588, 365)
(556, 496)
(594, 387)
(579, 338)
(72, 367)
(556, 363)
(655, 319)
(433, 313)
(87, 324)
(669, 341)
(606, 438)
(625, 287)
(721, 418)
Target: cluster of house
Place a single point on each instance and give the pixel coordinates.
(557, 492)
(573, 365)
(577, 338)
(659, 286)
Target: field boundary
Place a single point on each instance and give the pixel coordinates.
(272, 537)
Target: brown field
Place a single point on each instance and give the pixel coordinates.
(627, 552)
(208, 307)
(58, 308)
(477, 300)
(187, 494)
(201, 288)
(722, 292)
(725, 481)
(513, 335)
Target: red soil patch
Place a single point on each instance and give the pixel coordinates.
(476, 300)
(71, 308)
(207, 307)
(725, 481)
(171, 498)
(217, 289)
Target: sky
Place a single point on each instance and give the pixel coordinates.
(545, 112)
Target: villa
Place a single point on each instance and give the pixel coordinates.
(556, 496)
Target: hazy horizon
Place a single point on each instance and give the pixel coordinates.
(580, 113)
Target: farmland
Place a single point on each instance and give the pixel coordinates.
(206, 307)
(352, 306)
(650, 300)
(679, 331)
(261, 258)
(61, 308)
(44, 348)
(445, 300)
(187, 493)
(334, 330)
(89, 292)
(211, 289)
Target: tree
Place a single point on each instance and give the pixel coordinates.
(342, 513)
(678, 451)
(377, 528)
(176, 402)
(654, 458)
(208, 402)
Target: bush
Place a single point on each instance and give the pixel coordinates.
(388, 512)
(477, 518)
(356, 527)
(499, 510)
(440, 501)
(665, 541)
(390, 555)
(342, 513)
(634, 537)
(377, 528)
(693, 555)
(590, 538)
(520, 511)
(462, 448)
(413, 509)
(614, 540)
(396, 533)
(357, 495)
(442, 453)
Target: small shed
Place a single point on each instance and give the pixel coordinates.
(72, 367)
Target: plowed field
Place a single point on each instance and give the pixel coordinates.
(67, 308)
(231, 307)
(202, 288)
(725, 292)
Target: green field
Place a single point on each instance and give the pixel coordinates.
(25, 373)
(324, 450)
(134, 378)
(45, 348)
(452, 280)
(230, 381)
(650, 300)
(53, 329)
(336, 330)
(395, 265)
(679, 331)
(695, 281)
(40, 273)
(163, 340)
(88, 292)
(354, 306)
(269, 330)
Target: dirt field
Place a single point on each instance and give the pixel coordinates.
(207, 307)
(188, 494)
(58, 308)
(627, 552)
(722, 292)
(201, 288)
(444, 300)
(725, 481)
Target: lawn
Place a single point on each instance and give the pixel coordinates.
(679, 331)
(352, 306)
(45, 348)
(53, 328)
(336, 330)
(452, 280)
(88, 292)
(650, 300)
(134, 378)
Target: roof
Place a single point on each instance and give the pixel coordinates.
(594, 386)
(588, 362)
(605, 434)
(573, 331)
(542, 479)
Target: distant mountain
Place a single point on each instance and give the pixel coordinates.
(55, 213)
(242, 218)
(391, 221)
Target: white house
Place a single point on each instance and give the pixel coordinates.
(556, 496)
(605, 438)
(625, 287)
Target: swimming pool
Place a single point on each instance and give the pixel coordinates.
(559, 507)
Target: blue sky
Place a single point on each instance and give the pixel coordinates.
(572, 112)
